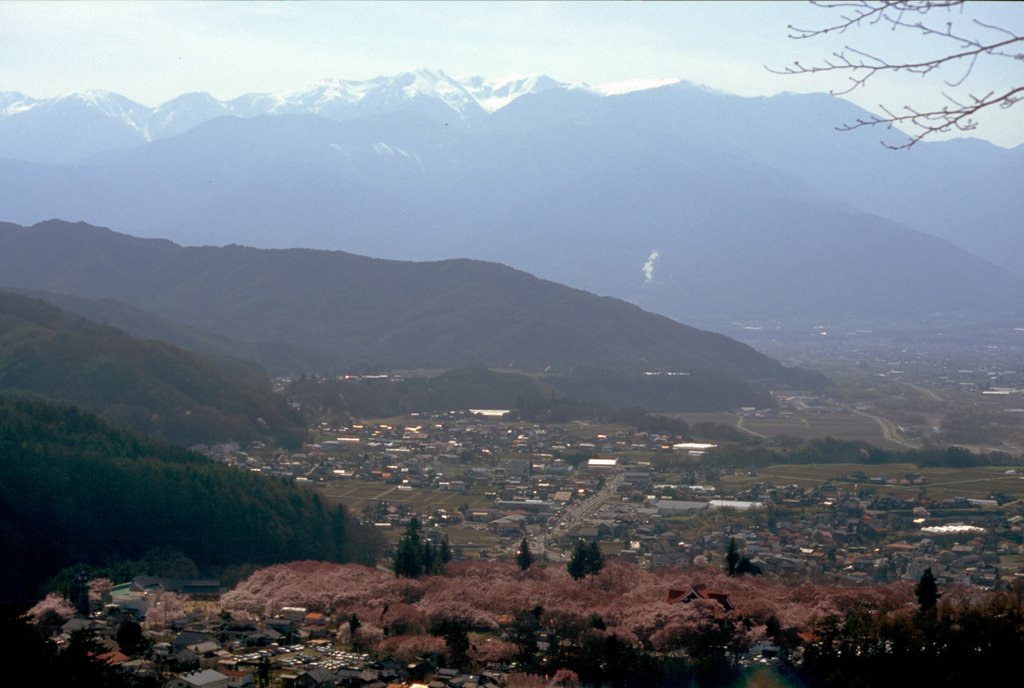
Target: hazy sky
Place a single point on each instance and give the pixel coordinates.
(152, 52)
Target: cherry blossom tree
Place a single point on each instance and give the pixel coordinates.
(50, 613)
(168, 607)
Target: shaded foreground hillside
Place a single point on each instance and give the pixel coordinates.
(147, 386)
(77, 490)
(621, 630)
(444, 314)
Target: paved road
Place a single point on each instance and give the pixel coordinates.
(889, 429)
(744, 428)
(576, 514)
(924, 390)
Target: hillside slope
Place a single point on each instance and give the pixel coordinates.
(78, 490)
(443, 314)
(697, 204)
(148, 386)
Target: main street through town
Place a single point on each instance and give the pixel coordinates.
(572, 517)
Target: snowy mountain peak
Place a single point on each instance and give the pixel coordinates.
(105, 101)
(118, 122)
(436, 84)
(494, 94)
(346, 98)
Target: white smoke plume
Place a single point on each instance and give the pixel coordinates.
(648, 267)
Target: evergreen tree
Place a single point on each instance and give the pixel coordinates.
(409, 554)
(129, 637)
(446, 550)
(595, 560)
(586, 559)
(732, 558)
(927, 592)
(577, 565)
(430, 559)
(747, 566)
(523, 634)
(263, 672)
(80, 593)
(455, 632)
(353, 627)
(524, 558)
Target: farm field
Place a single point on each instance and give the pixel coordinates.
(808, 426)
(356, 494)
(941, 483)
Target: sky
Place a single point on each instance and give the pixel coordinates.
(154, 51)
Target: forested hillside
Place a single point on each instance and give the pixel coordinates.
(445, 314)
(79, 490)
(145, 385)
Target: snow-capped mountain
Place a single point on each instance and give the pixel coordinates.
(580, 185)
(494, 94)
(346, 99)
(40, 129)
(69, 127)
(180, 114)
(12, 102)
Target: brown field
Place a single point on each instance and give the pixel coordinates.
(807, 426)
(942, 483)
(356, 494)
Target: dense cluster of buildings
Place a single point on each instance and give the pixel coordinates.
(648, 497)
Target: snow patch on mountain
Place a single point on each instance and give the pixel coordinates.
(333, 98)
(107, 120)
(619, 88)
(437, 84)
(494, 94)
(12, 103)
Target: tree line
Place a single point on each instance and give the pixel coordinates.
(833, 450)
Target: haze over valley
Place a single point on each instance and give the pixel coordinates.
(690, 353)
(701, 205)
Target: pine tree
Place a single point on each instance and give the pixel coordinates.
(732, 558)
(409, 554)
(927, 592)
(524, 558)
(263, 672)
(577, 565)
(446, 550)
(430, 558)
(354, 624)
(586, 560)
(595, 560)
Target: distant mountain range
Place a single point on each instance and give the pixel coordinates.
(697, 204)
(377, 312)
(71, 127)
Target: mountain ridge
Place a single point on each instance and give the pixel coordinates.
(583, 188)
(442, 314)
(148, 386)
(431, 91)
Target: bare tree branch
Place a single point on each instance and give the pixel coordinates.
(980, 41)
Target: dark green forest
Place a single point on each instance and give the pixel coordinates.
(77, 490)
(831, 450)
(145, 385)
(364, 311)
(612, 396)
